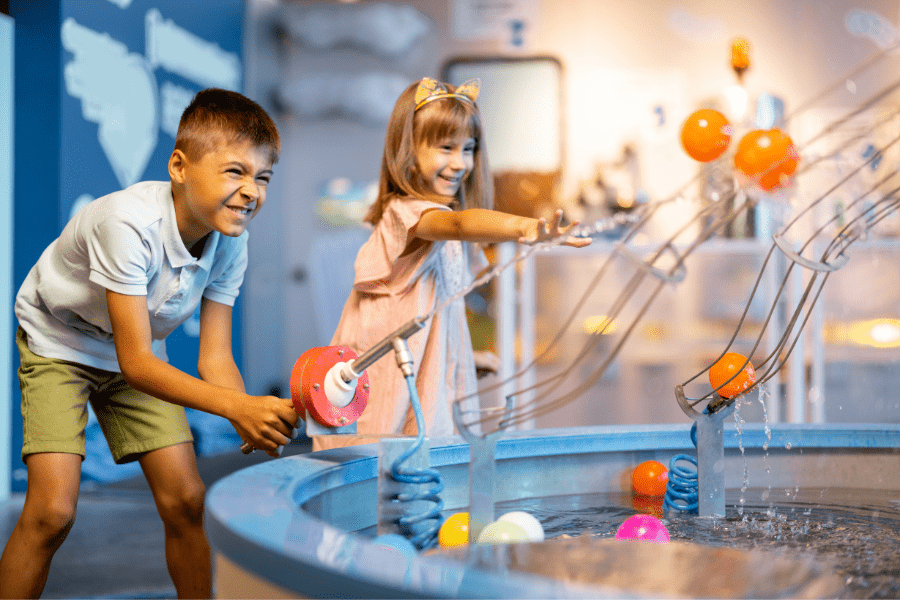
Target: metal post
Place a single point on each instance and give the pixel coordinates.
(711, 462)
(797, 388)
(773, 332)
(527, 311)
(482, 468)
(481, 484)
(506, 319)
(817, 393)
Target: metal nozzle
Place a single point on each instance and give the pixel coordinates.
(387, 344)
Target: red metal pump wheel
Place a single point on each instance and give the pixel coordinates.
(308, 387)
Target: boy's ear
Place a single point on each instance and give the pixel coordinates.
(177, 164)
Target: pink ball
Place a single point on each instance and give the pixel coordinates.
(643, 528)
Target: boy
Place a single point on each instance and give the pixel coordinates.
(94, 313)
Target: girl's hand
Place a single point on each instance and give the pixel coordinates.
(545, 232)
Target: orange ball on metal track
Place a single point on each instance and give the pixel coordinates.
(727, 366)
(767, 157)
(705, 135)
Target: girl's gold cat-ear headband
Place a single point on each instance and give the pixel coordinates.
(430, 89)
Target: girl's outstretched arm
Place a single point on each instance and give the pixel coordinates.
(491, 226)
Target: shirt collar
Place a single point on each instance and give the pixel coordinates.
(176, 251)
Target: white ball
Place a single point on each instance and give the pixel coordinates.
(527, 522)
(502, 532)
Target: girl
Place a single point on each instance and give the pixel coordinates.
(435, 192)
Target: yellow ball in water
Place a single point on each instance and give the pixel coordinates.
(502, 532)
(455, 530)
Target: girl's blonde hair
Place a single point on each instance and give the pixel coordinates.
(432, 123)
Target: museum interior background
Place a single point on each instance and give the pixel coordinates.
(583, 103)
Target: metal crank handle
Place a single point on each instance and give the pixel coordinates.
(246, 448)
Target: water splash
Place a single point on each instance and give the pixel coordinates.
(763, 396)
(739, 423)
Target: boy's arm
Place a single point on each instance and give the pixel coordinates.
(491, 226)
(264, 422)
(215, 363)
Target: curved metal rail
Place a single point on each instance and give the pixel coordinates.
(666, 264)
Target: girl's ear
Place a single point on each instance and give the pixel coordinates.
(177, 164)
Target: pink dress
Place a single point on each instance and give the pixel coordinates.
(390, 289)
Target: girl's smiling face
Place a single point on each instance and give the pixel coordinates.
(445, 164)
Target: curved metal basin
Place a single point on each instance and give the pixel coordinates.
(291, 527)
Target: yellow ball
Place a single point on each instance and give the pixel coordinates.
(455, 530)
(502, 532)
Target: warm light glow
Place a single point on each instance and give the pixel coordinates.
(598, 324)
(885, 332)
(875, 333)
(655, 331)
(625, 202)
(740, 54)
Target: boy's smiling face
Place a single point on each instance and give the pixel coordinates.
(221, 191)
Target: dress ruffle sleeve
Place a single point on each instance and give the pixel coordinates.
(380, 265)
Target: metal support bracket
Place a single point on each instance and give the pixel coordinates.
(711, 462)
(482, 468)
(314, 428)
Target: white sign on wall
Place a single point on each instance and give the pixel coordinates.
(506, 20)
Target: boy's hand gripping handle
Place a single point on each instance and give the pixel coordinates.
(330, 384)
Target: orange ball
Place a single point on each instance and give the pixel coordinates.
(727, 366)
(650, 478)
(768, 158)
(705, 135)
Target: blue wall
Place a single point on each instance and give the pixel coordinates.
(98, 89)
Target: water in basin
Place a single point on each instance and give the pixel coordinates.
(856, 531)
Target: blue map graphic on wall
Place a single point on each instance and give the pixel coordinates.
(119, 91)
(129, 68)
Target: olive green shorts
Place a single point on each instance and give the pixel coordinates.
(55, 394)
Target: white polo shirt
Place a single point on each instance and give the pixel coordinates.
(127, 242)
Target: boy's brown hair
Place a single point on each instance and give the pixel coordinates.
(436, 121)
(215, 114)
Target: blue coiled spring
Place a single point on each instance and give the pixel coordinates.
(420, 529)
(682, 489)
